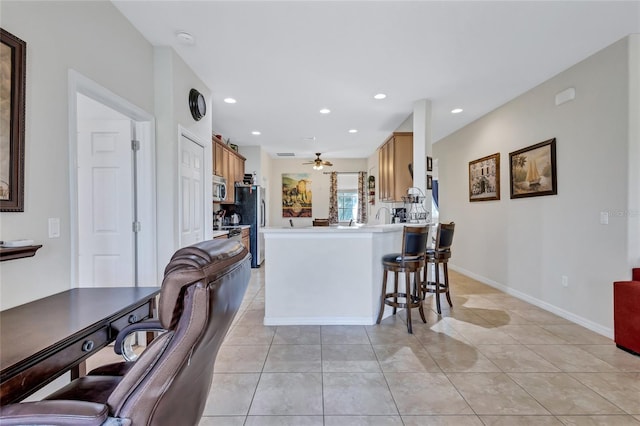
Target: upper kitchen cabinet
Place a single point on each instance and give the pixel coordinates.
(394, 166)
(228, 164)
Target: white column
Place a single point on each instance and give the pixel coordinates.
(422, 146)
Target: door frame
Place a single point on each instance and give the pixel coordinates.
(207, 215)
(144, 131)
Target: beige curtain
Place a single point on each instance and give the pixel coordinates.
(333, 198)
(362, 197)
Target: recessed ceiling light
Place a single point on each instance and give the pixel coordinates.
(380, 96)
(456, 110)
(325, 111)
(185, 38)
(353, 130)
(255, 132)
(230, 100)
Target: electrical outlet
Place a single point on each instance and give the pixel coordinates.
(565, 281)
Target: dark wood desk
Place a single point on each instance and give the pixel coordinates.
(41, 340)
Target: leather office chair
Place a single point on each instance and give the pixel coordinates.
(440, 255)
(411, 260)
(168, 384)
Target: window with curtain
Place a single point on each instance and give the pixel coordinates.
(348, 197)
(347, 205)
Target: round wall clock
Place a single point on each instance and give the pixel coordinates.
(197, 104)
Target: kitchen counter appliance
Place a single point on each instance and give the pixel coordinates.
(219, 188)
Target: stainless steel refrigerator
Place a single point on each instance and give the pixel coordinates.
(251, 206)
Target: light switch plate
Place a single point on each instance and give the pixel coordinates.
(604, 218)
(54, 227)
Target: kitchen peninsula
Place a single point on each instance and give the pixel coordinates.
(326, 275)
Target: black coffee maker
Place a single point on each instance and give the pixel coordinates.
(398, 215)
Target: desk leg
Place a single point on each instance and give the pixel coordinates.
(79, 370)
(152, 307)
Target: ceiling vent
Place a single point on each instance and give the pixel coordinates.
(285, 154)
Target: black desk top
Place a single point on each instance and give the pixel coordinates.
(29, 331)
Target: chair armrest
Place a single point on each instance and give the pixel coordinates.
(147, 325)
(55, 413)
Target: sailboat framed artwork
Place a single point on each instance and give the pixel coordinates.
(533, 170)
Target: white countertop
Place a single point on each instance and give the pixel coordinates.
(394, 227)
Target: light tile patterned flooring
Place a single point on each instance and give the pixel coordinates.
(490, 360)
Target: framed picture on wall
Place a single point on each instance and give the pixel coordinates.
(484, 178)
(13, 57)
(533, 170)
(429, 182)
(429, 164)
(296, 195)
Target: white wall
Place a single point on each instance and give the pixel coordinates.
(173, 80)
(525, 246)
(94, 39)
(320, 183)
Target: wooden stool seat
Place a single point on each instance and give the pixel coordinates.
(411, 260)
(437, 256)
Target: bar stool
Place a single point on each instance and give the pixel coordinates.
(411, 260)
(437, 256)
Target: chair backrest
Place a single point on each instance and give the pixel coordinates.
(202, 290)
(414, 241)
(444, 237)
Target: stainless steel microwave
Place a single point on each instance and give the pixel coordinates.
(219, 188)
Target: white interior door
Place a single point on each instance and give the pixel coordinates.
(106, 241)
(192, 191)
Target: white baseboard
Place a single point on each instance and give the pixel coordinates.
(595, 327)
(318, 321)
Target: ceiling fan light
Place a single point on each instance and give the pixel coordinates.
(317, 167)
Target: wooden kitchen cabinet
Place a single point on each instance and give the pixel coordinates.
(246, 241)
(217, 158)
(394, 158)
(228, 164)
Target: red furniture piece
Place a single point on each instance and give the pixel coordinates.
(626, 313)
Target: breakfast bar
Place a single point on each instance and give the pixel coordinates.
(326, 275)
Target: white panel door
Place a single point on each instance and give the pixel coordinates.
(106, 242)
(192, 192)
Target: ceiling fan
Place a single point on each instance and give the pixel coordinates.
(318, 163)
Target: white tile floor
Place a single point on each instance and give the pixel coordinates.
(490, 360)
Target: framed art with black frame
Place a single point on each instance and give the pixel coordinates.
(533, 170)
(484, 178)
(13, 57)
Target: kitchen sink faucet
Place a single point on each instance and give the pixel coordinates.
(378, 213)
